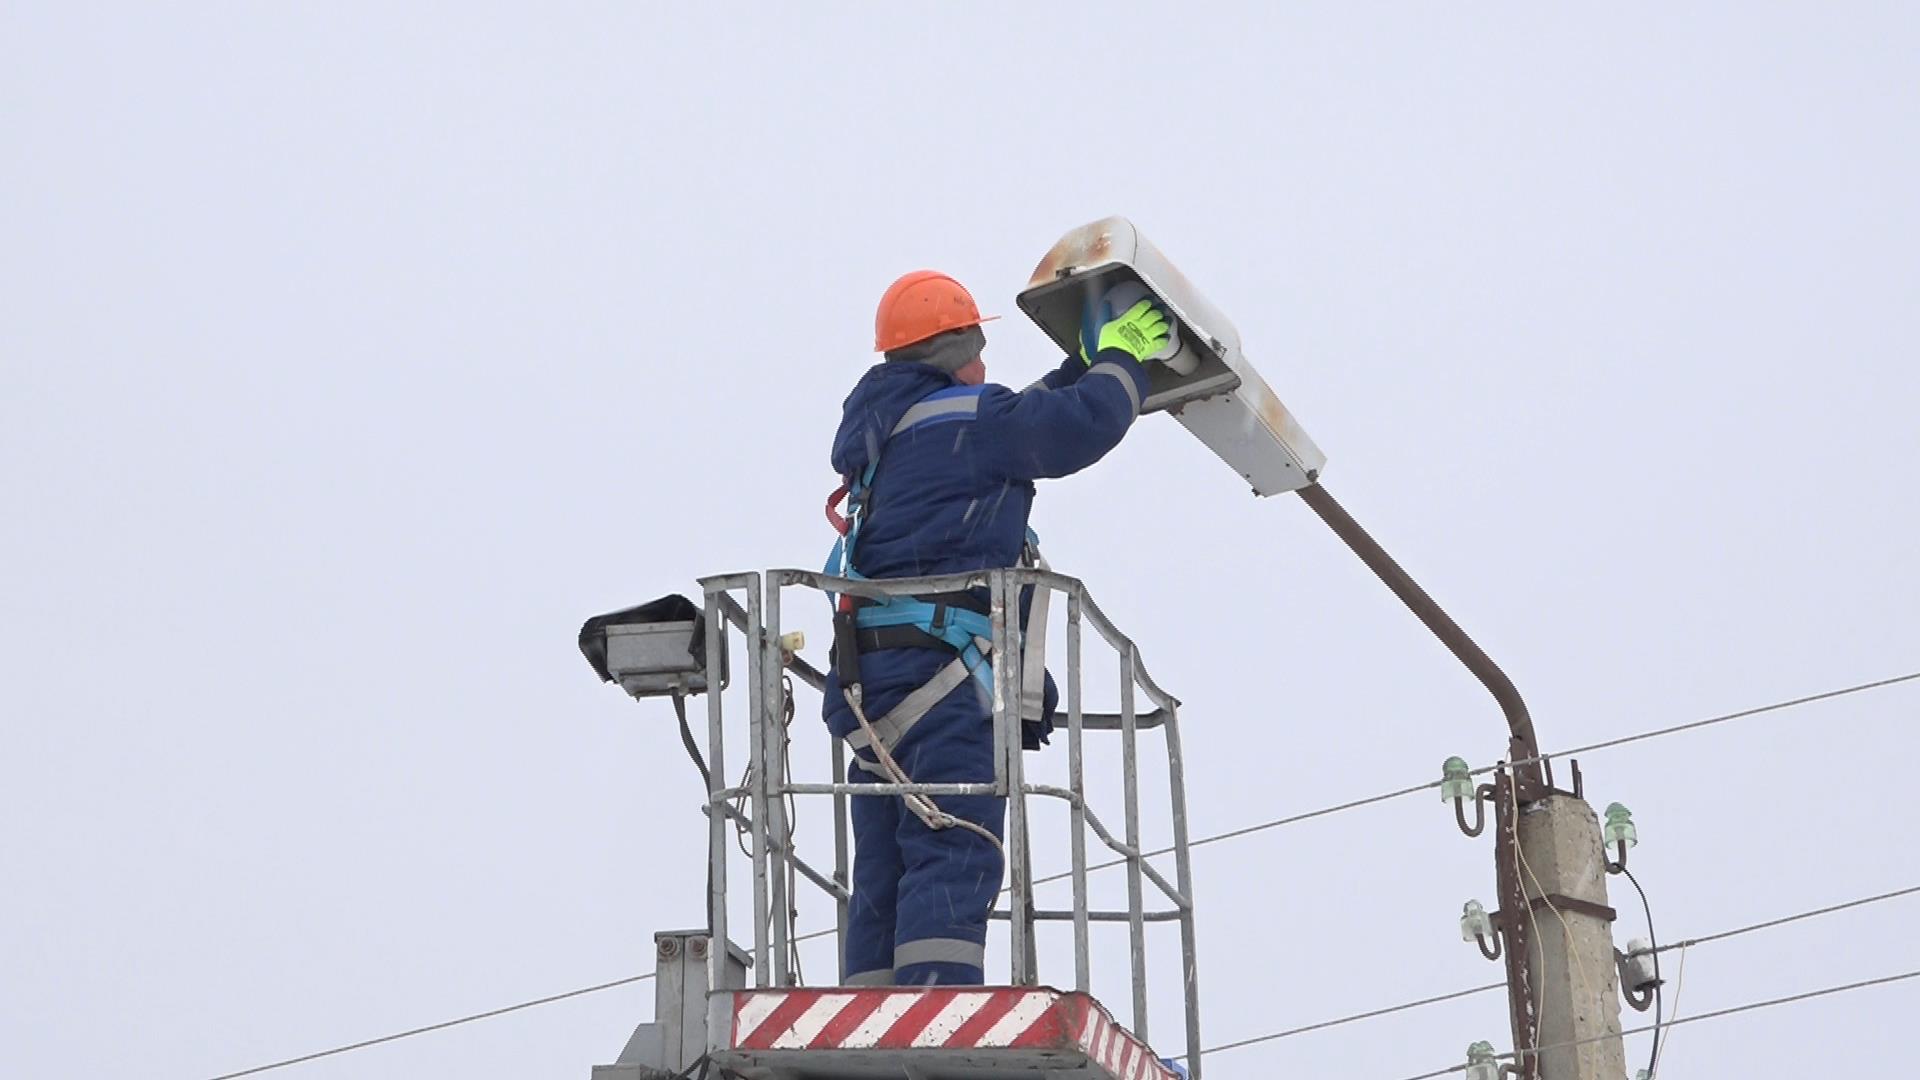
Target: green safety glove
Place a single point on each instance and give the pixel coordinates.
(1140, 333)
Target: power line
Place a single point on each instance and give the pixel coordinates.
(1721, 936)
(1213, 839)
(1251, 829)
(1715, 1015)
(489, 1014)
(1771, 923)
(1431, 785)
(1712, 720)
(1324, 1024)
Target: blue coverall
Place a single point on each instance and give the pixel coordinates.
(947, 498)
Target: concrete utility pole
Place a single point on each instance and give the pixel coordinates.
(1577, 1004)
(1554, 923)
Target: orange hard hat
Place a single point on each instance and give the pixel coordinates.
(920, 305)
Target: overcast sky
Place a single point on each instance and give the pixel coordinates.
(352, 354)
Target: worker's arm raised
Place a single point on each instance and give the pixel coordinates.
(1072, 423)
(1041, 433)
(1065, 375)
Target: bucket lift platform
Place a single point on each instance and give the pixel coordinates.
(939, 1033)
(708, 1017)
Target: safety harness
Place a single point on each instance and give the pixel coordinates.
(958, 622)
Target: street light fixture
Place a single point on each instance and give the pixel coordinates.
(1212, 389)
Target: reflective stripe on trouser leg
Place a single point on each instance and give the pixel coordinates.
(940, 951)
(951, 876)
(882, 977)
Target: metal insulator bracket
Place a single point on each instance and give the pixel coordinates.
(1617, 864)
(1480, 796)
(1637, 989)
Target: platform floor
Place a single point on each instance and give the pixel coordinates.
(938, 1033)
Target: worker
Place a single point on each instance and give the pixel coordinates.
(940, 467)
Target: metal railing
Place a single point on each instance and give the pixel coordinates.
(768, 787)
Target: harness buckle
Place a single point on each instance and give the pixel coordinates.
(846, 649)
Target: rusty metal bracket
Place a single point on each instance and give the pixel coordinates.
(1639, 998)
(1583, 907)
(1539, 785)
(1616, 865)
(1523, 1012)
(1563, 904)
(1480, 796)
(1579, 782)
(1573, 904)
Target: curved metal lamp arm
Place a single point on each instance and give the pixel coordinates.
(1522, 745)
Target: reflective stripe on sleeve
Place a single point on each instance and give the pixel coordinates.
(942, 407)
(1112, 370)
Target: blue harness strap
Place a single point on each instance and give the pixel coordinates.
(956, 627)
(951, 625)
(944, 406)
(968, 633)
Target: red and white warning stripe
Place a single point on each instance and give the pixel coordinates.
(1114, 1049)
(938, 1018)
(893, 1019)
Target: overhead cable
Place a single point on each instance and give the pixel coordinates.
(1216, 838)
(1369, 1015)
(1437, 999)
(1714, 1015)
(1606, 744)
(441, 1026)
(1321, 1025)
(1771, 923)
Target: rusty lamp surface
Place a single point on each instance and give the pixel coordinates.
(1213, 390)
(1208, 385)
